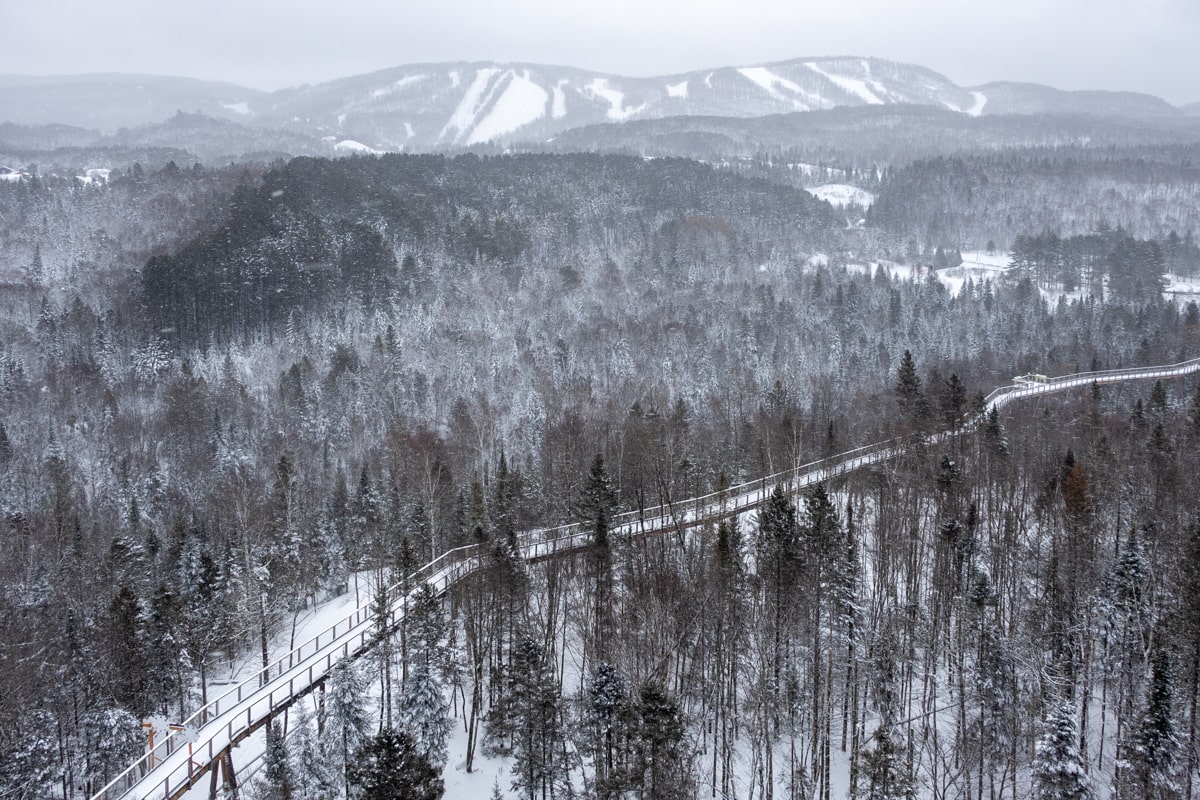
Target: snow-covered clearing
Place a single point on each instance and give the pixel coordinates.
(854, 86)
(980, 101)
(1183, 289)
(841, 195)
(351, 146)
(238, 108)
(93, 176)
(558, 108)
(522, 102)
(677, 89)
(407, 80)
(615, 98)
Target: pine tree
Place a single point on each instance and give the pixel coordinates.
(389, 767)
(113, 739)
(884, 764)
(426, 631)
(952, 400)
(276, 782)
(346, 722)
(597, 502)
(993, 433)
(1154, 753)
(607, 711)
(426, 714)
(1058, 768)
(311, 776)
(913, 404)
(6, 448)
(659, 764)
(126, 653)
(539, 766)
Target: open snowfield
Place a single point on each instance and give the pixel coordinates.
(854, 86)
(1185, 290)
(351, 146)
(522, 102)
(840, 195)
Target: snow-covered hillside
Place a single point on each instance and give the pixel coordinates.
(471, 103)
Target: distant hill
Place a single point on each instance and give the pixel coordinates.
(887, 134)
(1032, 98)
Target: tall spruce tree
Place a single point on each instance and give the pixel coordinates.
(1058, 768)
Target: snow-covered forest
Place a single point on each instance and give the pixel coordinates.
(228, 395)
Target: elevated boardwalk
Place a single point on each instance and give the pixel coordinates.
(182, 759)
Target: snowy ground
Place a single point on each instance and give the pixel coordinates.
(840, 195)
(1185, 290)
(979, 266)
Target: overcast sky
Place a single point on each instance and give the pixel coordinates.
(1141, 45)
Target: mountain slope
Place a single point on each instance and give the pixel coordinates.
(443, 105)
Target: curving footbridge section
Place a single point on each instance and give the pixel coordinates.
(205, 739)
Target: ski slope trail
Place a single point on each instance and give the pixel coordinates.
(182, 759)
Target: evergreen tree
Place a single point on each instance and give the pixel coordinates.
(426, 714)
(913, 405)
(6, 448)
(659, 764)
(426, 631)
(597, 501)
(607, 712)
(311, 777)
(389, 766)
(1058, 768)
(276, 782)
(126, 654)
(1153, 753)
(885, 763)
(539, 762)
(346, 723)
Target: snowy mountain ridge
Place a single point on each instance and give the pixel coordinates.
(461, 104)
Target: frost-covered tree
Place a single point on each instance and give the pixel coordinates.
(277, 782)
(389, 766)
(607, 718)
(1058, 768)
(113, 739)
(346, 724)
(660, 768)
(1153, 752)
(425, 713)
(596, 502)
(312, 778)
(539, 760)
